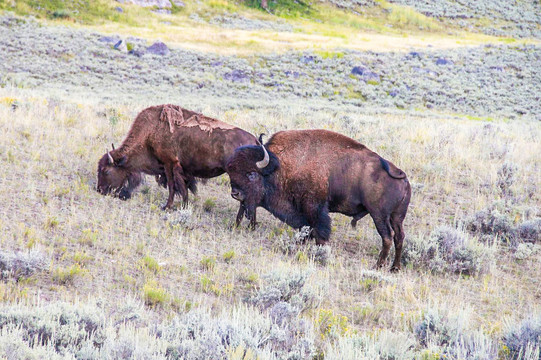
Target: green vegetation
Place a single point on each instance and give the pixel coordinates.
(286, 8)
(208, 263)
(151, 264)
(154, 295)
(228, 256)
(66, 276)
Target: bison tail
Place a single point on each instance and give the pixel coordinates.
(393, 172)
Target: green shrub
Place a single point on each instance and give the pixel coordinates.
(208, 263)
(228, 256)
(65, 276)
(153, 295)
(209, 204)
(151, 264)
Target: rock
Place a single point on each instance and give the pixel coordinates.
(152, 3)
(365, 74)
(119, 9)
(359, 70)
(306, 59)
(109, 39)
(295, 74)
(236, 76)
(158, 48)
(137, 53)
(148, 3)
(179, 3)
(443, 61)
(162, 11)
(394, 92)
(121, 46)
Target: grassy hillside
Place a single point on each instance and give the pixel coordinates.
(92, 277)
(245, 30)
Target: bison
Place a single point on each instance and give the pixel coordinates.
(174, 144)
(302, 175)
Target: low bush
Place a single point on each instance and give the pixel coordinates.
(19, 265)
(448, 250)
(288, 287)
(492, 222)
(523, 340)
(383, 345)
(60, 325)
(198, 335)
(530, 231)
(449, 337)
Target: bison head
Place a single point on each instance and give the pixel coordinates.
(115, 178)
(249, 169)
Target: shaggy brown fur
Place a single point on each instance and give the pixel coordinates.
(313, 172)
(174, 144)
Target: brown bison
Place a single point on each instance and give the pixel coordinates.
(174, 144)
(302, 175)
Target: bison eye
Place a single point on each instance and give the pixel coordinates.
(252, 176)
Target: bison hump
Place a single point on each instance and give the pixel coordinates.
(172, 114)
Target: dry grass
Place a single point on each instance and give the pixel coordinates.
(48, 162)
(309, 35)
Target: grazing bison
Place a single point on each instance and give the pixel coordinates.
(302, 175)
(174, 144)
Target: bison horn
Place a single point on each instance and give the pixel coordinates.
(263, 163)
(111, 160)
(113, 145)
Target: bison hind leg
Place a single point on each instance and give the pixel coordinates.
(385, 230)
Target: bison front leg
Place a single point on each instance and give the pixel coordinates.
(319, 220)
(240, 215)
(253, 220)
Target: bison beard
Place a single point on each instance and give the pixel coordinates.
(302, 175)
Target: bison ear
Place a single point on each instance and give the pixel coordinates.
(122, 161)
(273, 165)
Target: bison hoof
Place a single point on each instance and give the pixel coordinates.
(395, 269)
